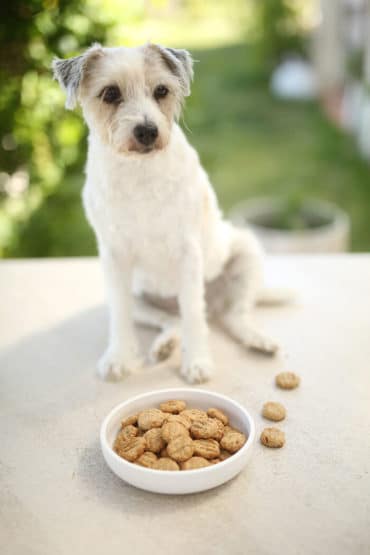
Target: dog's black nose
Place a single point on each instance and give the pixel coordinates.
(146, 134)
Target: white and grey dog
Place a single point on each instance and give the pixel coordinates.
(169, 258)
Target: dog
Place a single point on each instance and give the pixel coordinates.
(170, 259)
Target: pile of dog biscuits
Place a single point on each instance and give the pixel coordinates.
(174, 437)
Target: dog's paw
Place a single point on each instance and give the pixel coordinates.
(113, 366)
(262, 343)
(164, 345)
(197, 371)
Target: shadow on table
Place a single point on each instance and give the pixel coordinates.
(52, 372)
(110, 490)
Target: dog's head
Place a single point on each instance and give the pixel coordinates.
(129, 96)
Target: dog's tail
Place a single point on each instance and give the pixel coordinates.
(275, 296)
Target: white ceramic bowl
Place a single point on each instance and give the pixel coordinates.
(176, 482)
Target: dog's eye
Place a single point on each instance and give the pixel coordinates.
(111, 94)
(160, 92)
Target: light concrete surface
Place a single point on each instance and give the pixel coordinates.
(311, 497)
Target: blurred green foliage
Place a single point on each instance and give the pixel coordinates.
(249, 142)
(278, 30)
(40, 140)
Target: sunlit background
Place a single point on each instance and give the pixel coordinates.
(280, 108)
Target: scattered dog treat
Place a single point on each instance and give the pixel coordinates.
(175, 437)
(274, 411)
(287, 380)
(272, 437)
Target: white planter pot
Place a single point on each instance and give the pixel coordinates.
(352, 102)
(364, 126)
(332, 236)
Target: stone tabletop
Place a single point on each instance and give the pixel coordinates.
(58, 497)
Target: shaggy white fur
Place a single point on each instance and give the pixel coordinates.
(160, 233)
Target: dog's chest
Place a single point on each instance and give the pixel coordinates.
(147, 218)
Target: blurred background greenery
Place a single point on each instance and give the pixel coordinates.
(250, 142)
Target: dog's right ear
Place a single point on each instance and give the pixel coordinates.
(69, 72)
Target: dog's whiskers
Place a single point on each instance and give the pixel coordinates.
(185, 124)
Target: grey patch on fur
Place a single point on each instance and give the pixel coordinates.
(180, 63)
(69, 73)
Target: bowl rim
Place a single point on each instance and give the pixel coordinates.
(147, 471)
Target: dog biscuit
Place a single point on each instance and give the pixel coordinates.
(165, 464)
(127, 432)
(233, 441)
(215, 413)
(195, 414)
(181, 419)
(129, 420)
(170, 430)
(194, 463)
(220, 430)
(154, 440)
(287, 380)
(224, 454)
(173, 406)
(228, 429)
(206, 448)
(274, 411)
(131, 448)
(272, 437)
(181, 448)
(204, 429)
(151, 418)
(147, 459)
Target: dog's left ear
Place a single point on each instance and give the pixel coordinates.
(69, 72)
(180, 63)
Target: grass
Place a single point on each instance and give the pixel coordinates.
(249, 142)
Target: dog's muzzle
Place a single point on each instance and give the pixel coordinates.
(146, 134)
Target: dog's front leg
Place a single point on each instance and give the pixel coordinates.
(196, 362)
(122, 354)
